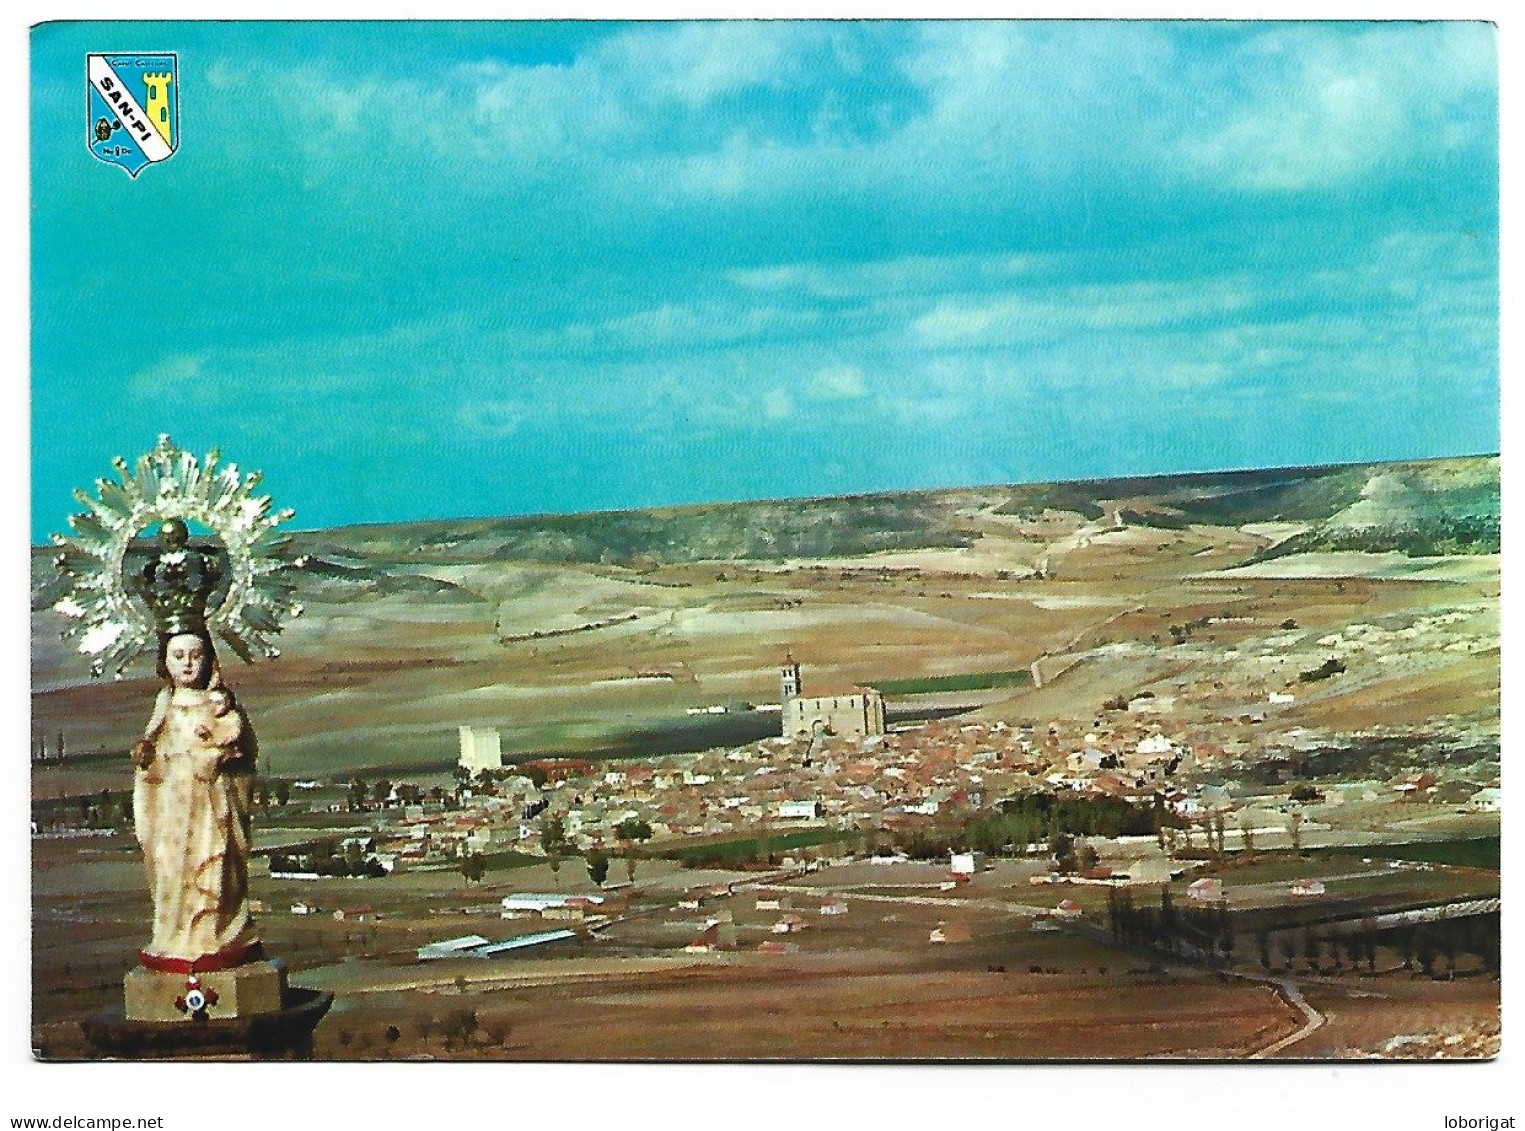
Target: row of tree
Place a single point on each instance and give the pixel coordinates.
(1032, 822)
(1208, 932)
(1424, 947)
(323, 860)
(1204, 932)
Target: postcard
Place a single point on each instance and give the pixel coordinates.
(732, 540)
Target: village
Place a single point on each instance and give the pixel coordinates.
(1142, 795)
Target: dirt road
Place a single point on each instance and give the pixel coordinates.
(1313, 1020)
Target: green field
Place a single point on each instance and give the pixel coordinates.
(749, 846)
(1481, 852)
(970, 681)
(508, 858)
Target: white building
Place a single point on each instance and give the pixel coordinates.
(481, 749)
(451, 948)
(1485, 800)
(1215, 797)
(799, 810)
(531, 903)
(965, 863)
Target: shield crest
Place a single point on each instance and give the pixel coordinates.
(134, 108)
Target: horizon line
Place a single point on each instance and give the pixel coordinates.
(874, 494)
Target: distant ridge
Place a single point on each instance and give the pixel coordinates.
(1419, 507)
(1442, 496)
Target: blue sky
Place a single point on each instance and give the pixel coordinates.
(466, 269)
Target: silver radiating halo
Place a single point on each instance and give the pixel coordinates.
(111, 626)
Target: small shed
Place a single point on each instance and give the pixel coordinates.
(1209, 889)
(949, 933)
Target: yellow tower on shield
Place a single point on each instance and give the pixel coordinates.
(158, 105)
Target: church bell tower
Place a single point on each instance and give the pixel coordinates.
(788, 680)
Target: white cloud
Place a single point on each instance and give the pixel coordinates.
(174, 375)
(1321, 110)
(709, 322)
(777, 404)
(1042, 313)
(1010, 114)
(838, 383)
(912, 274)
(496, 419)
(696, 63)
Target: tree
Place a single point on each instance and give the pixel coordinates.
(473, 867)
(1425, 951)
(1061, 847)
(459, 1025)
(633, 829)
(1022, 832)
(1295, 830)
(1446, 941)
(1311, 949)
(1247, 835)
(630, 867)
(598, 866)
(765, 841)
(1086, 857)
(282, 792)
(1489, 950)
(1405, 940)
(553, 833)
(554, 860)
(1368, 938)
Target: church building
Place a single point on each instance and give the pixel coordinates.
(854, 713)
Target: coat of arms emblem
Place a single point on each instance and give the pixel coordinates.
(133, 107)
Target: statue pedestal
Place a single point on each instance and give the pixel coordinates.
(245, 1012)
(243, 991)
